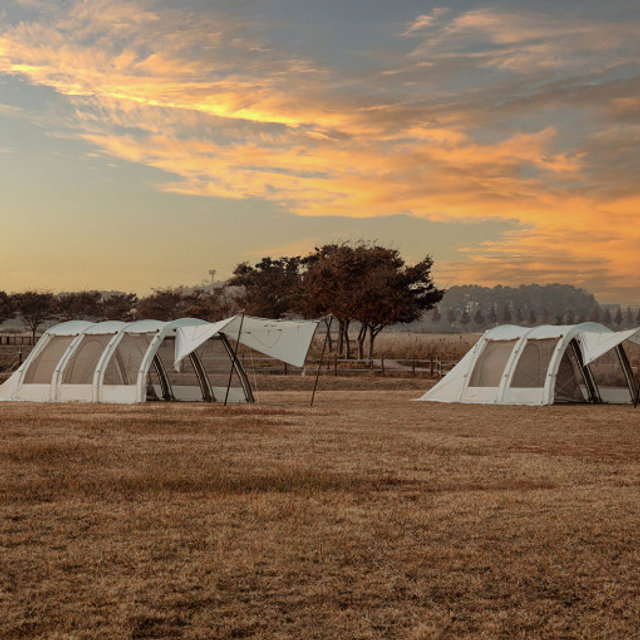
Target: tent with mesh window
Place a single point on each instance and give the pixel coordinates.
(186, 359)
(543, 365)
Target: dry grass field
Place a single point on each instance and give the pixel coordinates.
(366, 516)
(444, 346)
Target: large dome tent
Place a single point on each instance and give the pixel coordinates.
(543, 365)
(185, 359)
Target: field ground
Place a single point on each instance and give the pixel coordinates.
(366, 516)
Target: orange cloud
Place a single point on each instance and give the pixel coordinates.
(226, 115)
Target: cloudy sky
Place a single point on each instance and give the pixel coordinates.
(144, 142)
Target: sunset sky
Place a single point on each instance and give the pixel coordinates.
(144, 142)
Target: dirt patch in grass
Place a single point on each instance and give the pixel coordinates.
(366, 516)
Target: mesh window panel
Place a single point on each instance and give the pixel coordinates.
(608, 372)
(83, 361)
(569, 381)
(41, 370)
(217, 364)
(125, 362)
(491, 363)
(533, 364)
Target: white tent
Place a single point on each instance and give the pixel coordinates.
(186, 359)
(543, 365)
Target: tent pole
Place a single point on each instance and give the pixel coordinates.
(233, 360)
(324, 344)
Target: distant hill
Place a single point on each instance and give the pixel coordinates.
(557, 299)
(475, 308)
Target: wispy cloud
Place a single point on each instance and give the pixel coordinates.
(425, 20)
(490, 115)
(528, 42)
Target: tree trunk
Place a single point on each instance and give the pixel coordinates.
(343, 339)
(361, 336)
(372, 338)
(346, 339)
(373, 334)
(327, 322)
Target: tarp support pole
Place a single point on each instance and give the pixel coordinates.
(628, 372)
(592, 389)
(233, 360)
(324, 345)
(203, 381)
(165, 386)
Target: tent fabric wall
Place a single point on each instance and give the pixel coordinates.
(542, 365)
(129, 362)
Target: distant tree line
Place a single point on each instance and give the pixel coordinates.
(474, 308)
(364, 287)
(360, 284)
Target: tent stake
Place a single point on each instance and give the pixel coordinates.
(324, 344)
(233, 360)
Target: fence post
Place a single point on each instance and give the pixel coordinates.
(431, 371)
(413, 365)
(382, 364)
(286, 370)
(335, 365)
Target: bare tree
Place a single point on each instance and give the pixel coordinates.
(617, 318)
(6, 307)
(368, 284)
(268, 289)
(34, 309)
(78, 305)
(163, 304)
(119, 306)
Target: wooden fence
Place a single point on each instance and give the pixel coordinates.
(14, 340)
(335, 366)
(14, 350)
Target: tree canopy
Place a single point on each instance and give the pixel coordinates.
(35, 308)
(80, 305)
(6, 306)
(270, 288)
(119, 306)
(369, 284)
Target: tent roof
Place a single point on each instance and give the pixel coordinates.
(72, 328)
(105, 328)
(286, 340)
(543, 331)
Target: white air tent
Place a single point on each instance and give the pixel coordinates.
(543, 365)
(186, 359)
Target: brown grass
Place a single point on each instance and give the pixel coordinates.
(441, 346)
(367, 516)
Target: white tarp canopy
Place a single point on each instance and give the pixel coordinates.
(542, 365)
(285, 340)
(595, 344)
